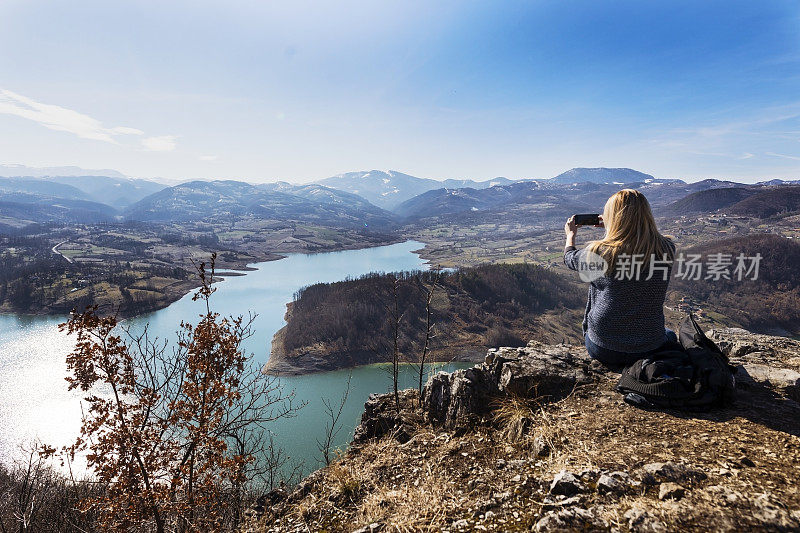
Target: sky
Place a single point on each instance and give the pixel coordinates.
(300, 90)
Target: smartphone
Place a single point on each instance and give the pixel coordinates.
(591, 219)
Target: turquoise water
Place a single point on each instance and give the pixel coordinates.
(35, 404)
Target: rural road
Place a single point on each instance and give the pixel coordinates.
(55, 251)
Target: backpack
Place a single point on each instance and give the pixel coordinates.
(692, 375)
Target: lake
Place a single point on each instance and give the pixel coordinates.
(35, 403)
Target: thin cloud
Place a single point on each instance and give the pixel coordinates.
(123, 130)
(208, 158)
(784, 156)
(62, 119)
(163, 143)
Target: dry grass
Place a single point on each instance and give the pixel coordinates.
(347, 482)
(497, 475)
(514, 416)
(421, 505)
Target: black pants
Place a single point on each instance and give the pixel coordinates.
(614, 359)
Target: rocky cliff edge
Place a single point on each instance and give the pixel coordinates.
(536, 438)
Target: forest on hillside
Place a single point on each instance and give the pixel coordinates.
(352, 321)
(767, 304)
(347, 323)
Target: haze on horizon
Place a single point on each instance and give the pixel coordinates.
(300, 91)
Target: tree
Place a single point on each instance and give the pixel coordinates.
(173, 434)
(395, 319)
(332, 426)
(428, 291)
(36, 498)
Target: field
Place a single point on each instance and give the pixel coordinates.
(135, 268)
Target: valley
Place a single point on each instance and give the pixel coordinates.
(133, 268)
(62, 249)
(323, 252)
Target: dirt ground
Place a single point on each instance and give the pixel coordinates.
(736, 469)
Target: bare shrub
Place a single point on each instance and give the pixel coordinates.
(177, 438)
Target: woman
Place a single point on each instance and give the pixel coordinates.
(624, 318)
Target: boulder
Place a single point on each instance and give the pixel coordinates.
(548, 372)
(742, 346)
(566, 484)
(641, 521)
(541, 371)
(454, 398)
(670, 491)
(571, 519)
(608, 484)
(380, 417)
(783, 380)
(670, 471)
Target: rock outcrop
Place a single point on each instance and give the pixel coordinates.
(545, 372)
(380, 417)
(774, 361)
(551, 372)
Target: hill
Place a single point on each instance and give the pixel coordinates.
(41, 188)
(709, 200)
(756, 201)
(325, 195)
(338, 325)
(602, 175)
(769, 304)
(18, 210)
(118, 192)
(447, 201)
(228, 200)
(769, 202)
(537, 439)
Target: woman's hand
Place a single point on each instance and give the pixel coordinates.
(570, 229)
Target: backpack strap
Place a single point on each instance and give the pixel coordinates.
(692, 337)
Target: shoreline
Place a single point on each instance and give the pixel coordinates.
(279, 364)
(181, 288)
(293, 371)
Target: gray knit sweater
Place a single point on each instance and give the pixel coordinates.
(624, 315)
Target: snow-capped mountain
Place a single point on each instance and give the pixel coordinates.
(388, 189)
(603, 175)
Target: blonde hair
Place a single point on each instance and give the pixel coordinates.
(631, 230)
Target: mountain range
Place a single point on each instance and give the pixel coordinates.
(221, 200)
(114, 191)
(374, 198)
(555, 198)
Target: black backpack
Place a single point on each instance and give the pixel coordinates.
(693, 375)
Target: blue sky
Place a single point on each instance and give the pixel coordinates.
(300, 90)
